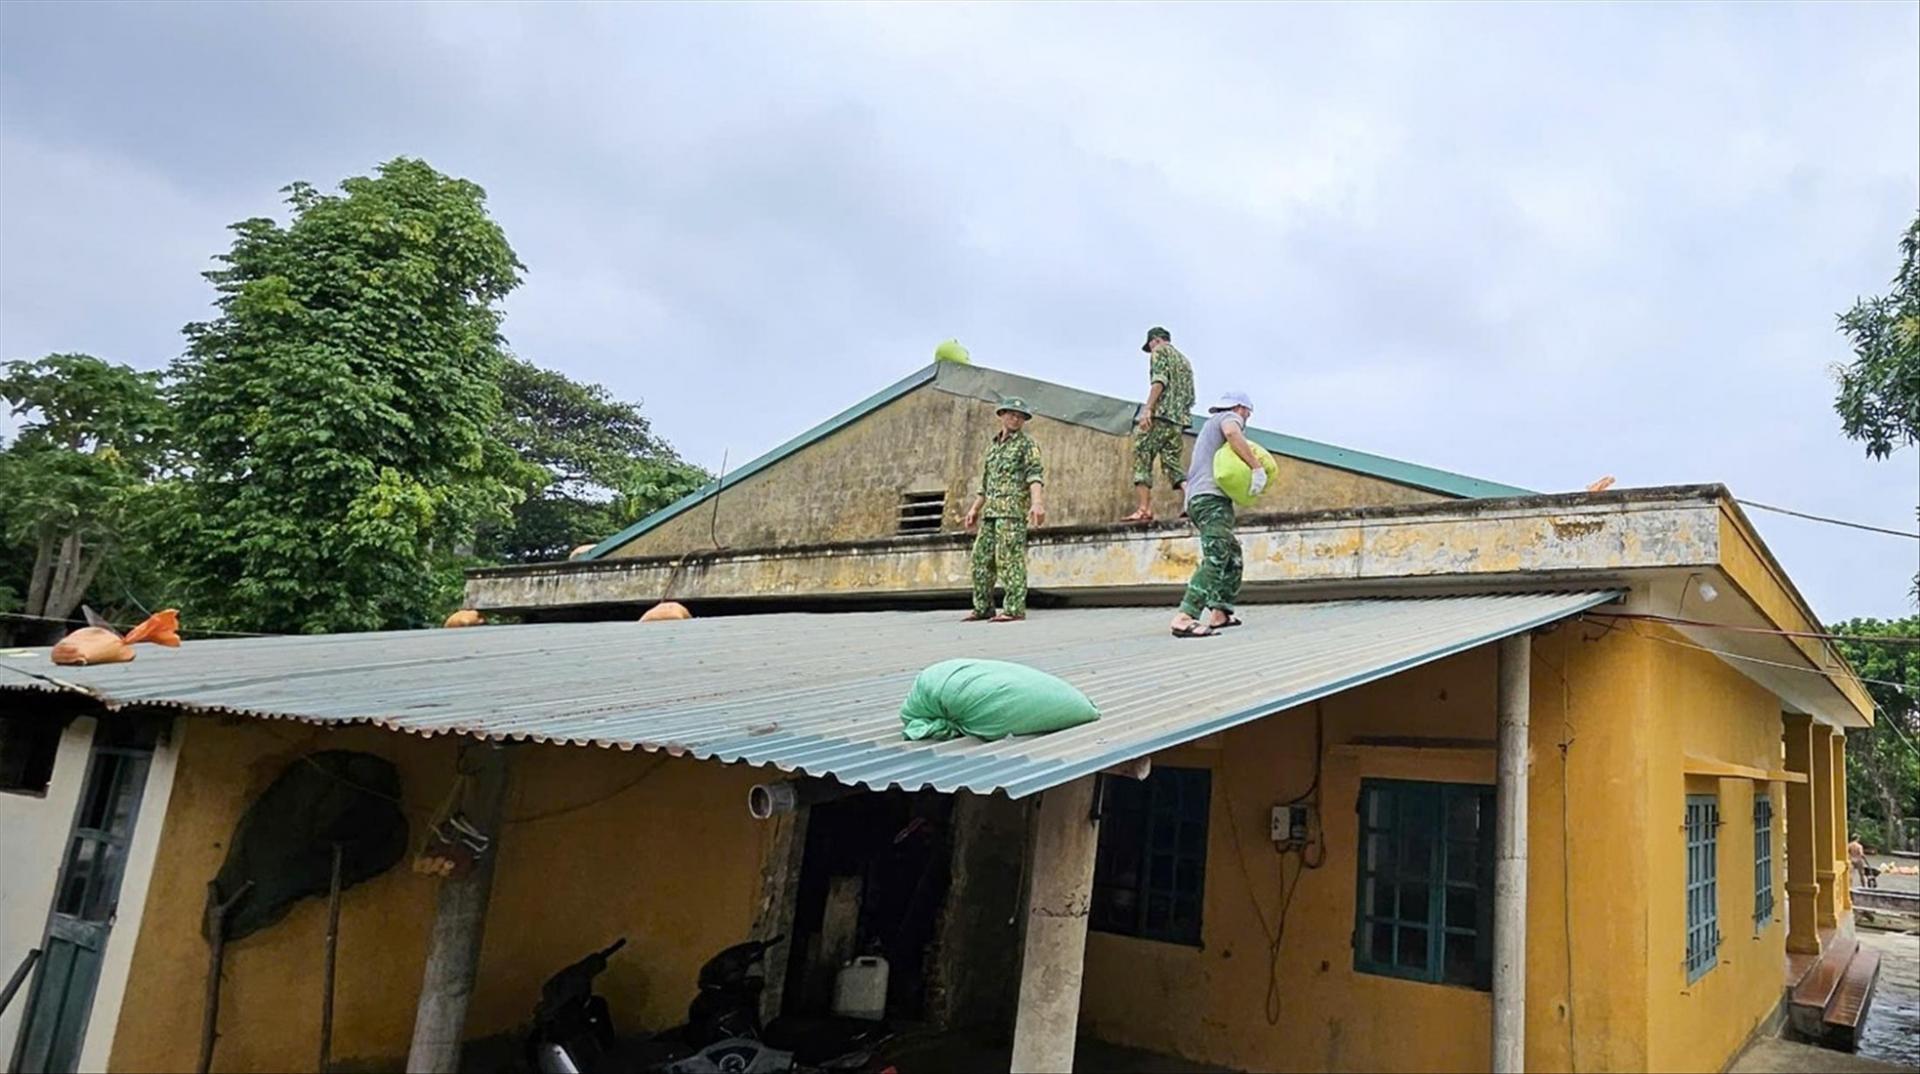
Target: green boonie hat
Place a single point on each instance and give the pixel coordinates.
(1156, 332)
(1015, 404)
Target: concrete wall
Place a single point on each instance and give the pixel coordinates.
(600, 844)
(848, 486)
(1602, 996)
(1707, 711)
(33, 836)
(33, 839)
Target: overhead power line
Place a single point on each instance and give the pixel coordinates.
(1829, 521)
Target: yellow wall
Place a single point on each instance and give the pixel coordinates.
(672, 862)
(848, 486)
(1209, 1003)
(1706, 709)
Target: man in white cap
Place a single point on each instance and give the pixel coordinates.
(1208, 606)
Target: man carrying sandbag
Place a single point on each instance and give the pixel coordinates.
(1012, 494)
(1164, 418)
(1208, 606)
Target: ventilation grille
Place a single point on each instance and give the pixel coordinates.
(922, 512)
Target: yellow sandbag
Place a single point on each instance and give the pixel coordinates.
(101, 644)
(952, 351)
(1235, 477)
(666, 610)
(466, 617)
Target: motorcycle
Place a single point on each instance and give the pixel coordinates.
(573, 1031)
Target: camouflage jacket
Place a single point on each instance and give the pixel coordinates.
(1171, 368)
(1012, 466)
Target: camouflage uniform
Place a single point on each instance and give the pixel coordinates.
(1012, 468)
(1170, 369)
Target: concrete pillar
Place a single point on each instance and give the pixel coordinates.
(1803, 884)
(1510, 860)
(1842, 831)
(1825, 846)
(460, 920)
(1058, 898)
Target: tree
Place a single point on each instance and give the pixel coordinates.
(584, 461)
(1883, 767)
(1879, 398)
(76, 484)
(341, 411)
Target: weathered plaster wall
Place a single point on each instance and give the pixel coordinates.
(600, 844)
(1587, 992)
(1446, 541)
(1707, 710)
(849, 486)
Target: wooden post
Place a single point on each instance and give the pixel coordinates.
(1803, 885)
(326, 974)
(459, 923)
(1060, 894)
(1510, 860)
(216, 958)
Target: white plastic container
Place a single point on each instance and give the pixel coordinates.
(860, 989)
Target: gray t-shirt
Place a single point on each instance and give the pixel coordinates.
(1213, 436)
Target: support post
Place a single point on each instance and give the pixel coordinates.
(1825, 847)
(1803, 885)
(326, 972)
(459, 923)
(1842, 825)
(1059, 895)
(1510, 861)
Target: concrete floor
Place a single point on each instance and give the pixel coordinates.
(1786, 1057)
(962, 1053)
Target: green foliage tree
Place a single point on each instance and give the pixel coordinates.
(1883, 764)
(77, 484)
(341, 411)
(1879, 397)
(584, 460)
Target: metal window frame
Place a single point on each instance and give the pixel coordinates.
(1438, 797)
(1762, 860)
(1703, 884)
(1161, 782)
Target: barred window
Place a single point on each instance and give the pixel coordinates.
(1762, 857)
(1703, 888)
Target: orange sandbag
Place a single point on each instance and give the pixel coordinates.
(666, 609)
(466, 617)
(101, 644)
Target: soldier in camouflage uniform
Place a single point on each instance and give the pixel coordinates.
(1012, 494)
(1162, 421)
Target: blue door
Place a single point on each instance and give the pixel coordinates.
(86, 897)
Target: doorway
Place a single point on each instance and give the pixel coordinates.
(873, 880)
(86, 896)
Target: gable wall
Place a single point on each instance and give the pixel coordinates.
(849, 485)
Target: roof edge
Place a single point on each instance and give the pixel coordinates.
(916, 379)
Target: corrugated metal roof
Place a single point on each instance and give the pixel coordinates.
(818, 694)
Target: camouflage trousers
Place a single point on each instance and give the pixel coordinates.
(1001, 546)
(1162, 442)
(1216, 581)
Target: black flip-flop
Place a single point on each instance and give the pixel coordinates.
(1197, 630)
(1232, 621)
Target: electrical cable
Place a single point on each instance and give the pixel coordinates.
(1892, 639)
(1753, 659)
(123, 626)
(1829, 521)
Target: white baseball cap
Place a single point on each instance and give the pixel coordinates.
(1230, 400)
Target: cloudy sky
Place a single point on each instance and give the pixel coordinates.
(1531, 243)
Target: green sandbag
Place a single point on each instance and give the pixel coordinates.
(1235, 477)
(991, 699)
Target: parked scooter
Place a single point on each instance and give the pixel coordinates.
(573, 1030)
